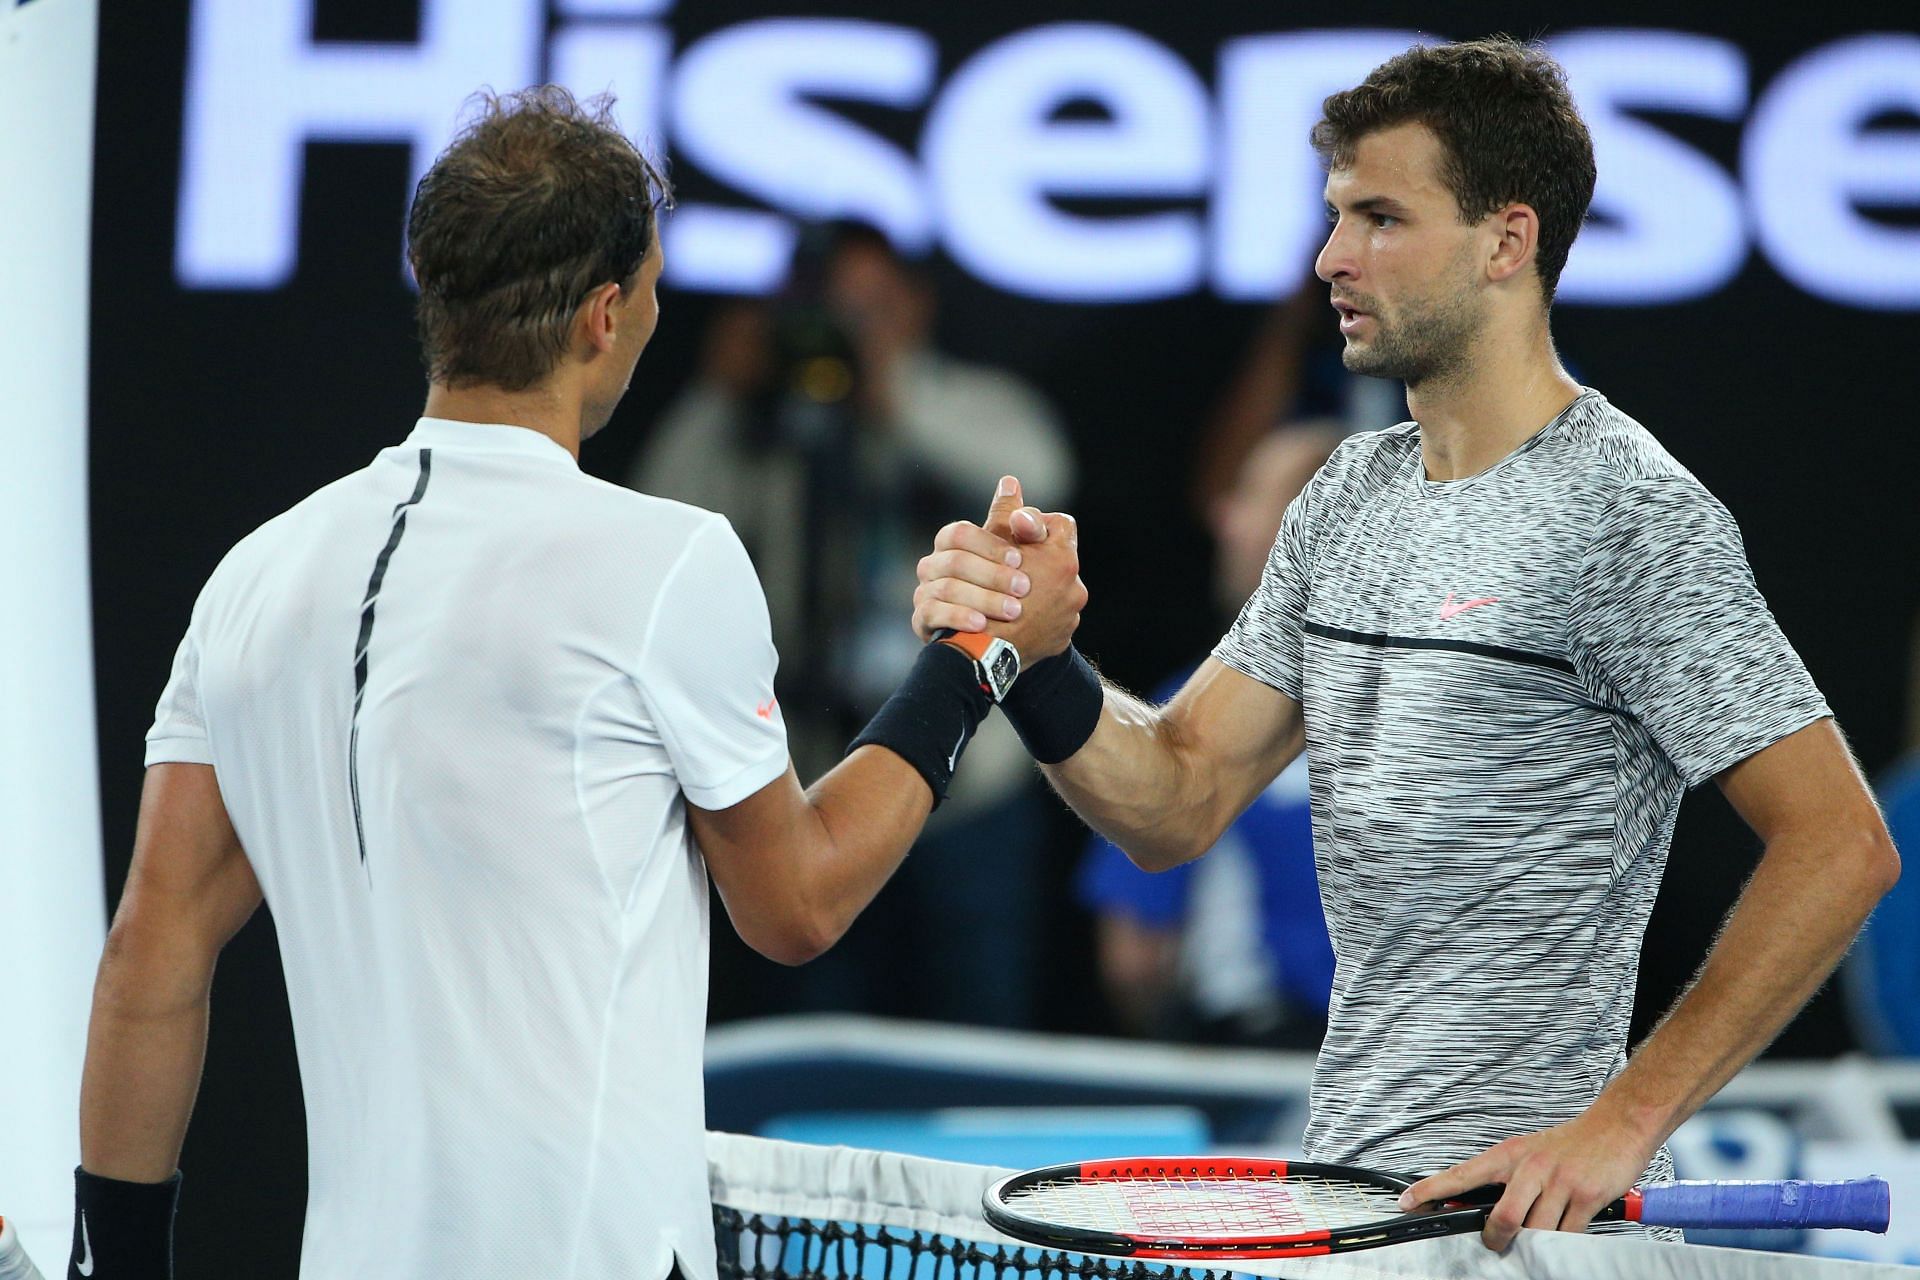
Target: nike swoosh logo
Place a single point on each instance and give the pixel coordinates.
(765, 709)
(85, 1266)
(1449, 609)
(953, 761)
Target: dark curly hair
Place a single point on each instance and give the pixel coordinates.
(1506, 124)
(539, 199)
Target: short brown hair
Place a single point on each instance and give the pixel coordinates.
(538, 200)
(1506, 123)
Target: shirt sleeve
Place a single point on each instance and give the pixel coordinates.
(707, 672)
(1667, 618)
(179, 732)
(1264, 642)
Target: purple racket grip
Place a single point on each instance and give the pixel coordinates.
(1860, 1204)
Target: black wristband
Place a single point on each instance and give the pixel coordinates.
(932, 716)
(1055, 705)
(122, 1230)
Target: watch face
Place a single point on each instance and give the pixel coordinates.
(1005, 666)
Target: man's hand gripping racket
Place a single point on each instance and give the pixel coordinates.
(1220, 1207)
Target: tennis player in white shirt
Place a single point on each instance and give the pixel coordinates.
(478, 727)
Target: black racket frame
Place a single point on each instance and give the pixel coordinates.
(1462, 1215)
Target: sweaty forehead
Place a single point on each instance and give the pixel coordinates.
(1400, 163)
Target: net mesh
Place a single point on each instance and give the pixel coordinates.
(790, 1211)
(758, 1247)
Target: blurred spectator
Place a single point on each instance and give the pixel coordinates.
(1883, 973)
(1292, 371)
(828, 427)
(1233, 947)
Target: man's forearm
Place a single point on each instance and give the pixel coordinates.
(871, 808)
(1133, 784)
(146, 1046)
(1792, 924)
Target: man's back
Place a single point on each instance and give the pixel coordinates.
(442, 699)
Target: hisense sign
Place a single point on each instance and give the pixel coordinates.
(1162, 180)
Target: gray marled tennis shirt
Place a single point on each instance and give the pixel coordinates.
(1508, 681)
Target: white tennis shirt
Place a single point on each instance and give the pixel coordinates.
(453, 701)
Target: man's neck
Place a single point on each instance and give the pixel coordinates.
(1505, 394)
(538, 409)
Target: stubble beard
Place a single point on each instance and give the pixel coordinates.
(1431, 340)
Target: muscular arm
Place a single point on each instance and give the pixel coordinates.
(795, 867)
(189, 890)
(1828, 859)
(1163, 783)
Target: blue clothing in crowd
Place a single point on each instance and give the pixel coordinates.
(1884, 970)
(1276, 835)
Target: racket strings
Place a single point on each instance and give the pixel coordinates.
(1206, 1207)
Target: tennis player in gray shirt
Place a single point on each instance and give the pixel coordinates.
(1509, 634)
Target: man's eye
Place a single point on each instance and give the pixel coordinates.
(1384, 220)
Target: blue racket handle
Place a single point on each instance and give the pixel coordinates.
(1861, 1204)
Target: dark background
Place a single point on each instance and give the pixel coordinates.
(214, 411)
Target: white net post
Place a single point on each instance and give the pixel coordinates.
(51, 899)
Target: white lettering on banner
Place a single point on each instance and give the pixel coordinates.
(628, 60)
(743, 113)
(613, 8)
(1268, 214)
(1668, 223)
(997, 158)
(1811, 163)
(709, 246)
(997, 163)
(259, 88)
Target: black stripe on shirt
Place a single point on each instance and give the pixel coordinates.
(1381, 640)
(366, 638)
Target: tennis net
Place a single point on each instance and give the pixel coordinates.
(791, 1211)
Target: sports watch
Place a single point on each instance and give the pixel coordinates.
(995, 661)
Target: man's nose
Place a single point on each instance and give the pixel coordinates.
(1335, 258)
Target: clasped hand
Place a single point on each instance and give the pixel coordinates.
(1016, 577)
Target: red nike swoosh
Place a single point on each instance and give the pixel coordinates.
(1448, 608)
(765, 709)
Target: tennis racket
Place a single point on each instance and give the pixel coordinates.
(14, 1262)
(1228, 1208)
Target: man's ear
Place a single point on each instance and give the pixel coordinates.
(1516, 231)
(598, 319)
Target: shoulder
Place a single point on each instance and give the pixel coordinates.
(1601, 448)
(307, 522)
(605, 502)
(610, 523)
(1375, 454)
(1599, 471)
(1644, 514)
(1362, 464)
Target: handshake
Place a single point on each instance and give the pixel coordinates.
(1017, 577)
